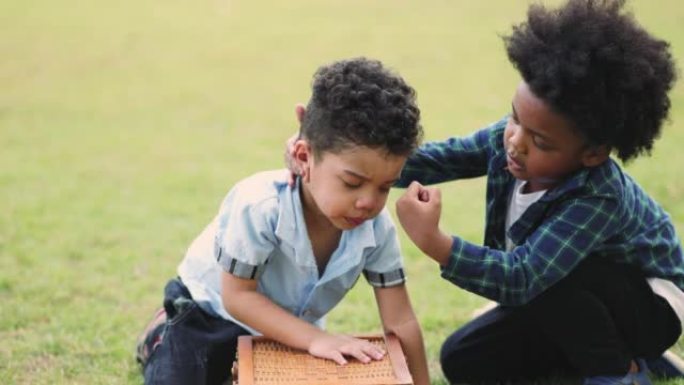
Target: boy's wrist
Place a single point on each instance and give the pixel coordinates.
(438, 247)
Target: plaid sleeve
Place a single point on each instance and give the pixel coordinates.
(546, 256)
(454, 158)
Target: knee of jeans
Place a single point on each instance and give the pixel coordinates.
(453, 360)
(455, 373)
(668, 335)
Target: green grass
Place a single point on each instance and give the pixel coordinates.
(123, 123)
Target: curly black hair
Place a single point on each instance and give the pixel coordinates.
(593, 64)
(360, 102)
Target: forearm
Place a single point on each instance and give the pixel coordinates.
(412, 344)
(436, 245)
(510, 278)
(438, 162)
(258, 312)
(453, 158)
(252, 308)
(398, 318)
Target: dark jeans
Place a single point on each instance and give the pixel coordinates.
(593, 322)
(197, 348)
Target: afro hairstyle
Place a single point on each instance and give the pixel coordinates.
(592, 63)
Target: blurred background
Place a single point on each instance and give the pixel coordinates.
(124, 123)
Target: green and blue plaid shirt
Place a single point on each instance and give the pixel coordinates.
(596, 211)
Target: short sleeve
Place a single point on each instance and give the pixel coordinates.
(245, 234)
(383, 266)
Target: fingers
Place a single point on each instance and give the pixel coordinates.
(299, 112)
(290, 162)
(374, 352)
(414, 189)
(337, 357)
(424, 194)
(412, 193)
(435, 195)
(291, 179)
(335, 348)
(364, 351)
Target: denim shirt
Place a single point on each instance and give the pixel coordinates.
(598, 211)
(260, 233)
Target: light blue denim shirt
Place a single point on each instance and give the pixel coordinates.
(260, 233)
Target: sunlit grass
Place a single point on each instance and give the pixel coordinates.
(122, 124)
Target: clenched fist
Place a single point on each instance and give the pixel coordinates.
(419, 210)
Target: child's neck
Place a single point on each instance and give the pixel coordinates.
(539, 185)
(323, 235)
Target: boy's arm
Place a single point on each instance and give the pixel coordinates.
(550, 253)
(453, 158)
(555, 247)
(398, 318)
(250, 307)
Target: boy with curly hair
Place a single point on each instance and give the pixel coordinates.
(586, 267)
(277, 258)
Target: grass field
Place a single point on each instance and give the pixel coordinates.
(123, 123)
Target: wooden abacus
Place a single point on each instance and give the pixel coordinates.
(261, 361)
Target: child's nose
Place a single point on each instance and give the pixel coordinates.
(368, 202)
(517, 142)
(514, 150)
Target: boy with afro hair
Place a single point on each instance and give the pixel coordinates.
(585, 265)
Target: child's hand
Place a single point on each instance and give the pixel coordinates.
(289, 159)
(419, 210)
(335, 347)
(289, 148)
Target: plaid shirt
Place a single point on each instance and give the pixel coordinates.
(596, 211)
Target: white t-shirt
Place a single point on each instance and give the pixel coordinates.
(517, 205)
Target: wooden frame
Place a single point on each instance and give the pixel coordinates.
(261, 361)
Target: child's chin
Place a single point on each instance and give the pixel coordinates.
(346, 224)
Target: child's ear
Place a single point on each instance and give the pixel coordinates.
(303, 158)
(595, 155)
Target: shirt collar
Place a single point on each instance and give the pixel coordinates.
(291, 226)
(291, 229)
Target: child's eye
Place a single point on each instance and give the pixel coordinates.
(541, 144)
(351, 186)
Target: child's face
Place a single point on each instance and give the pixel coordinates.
(351, 186)
(542, 147)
